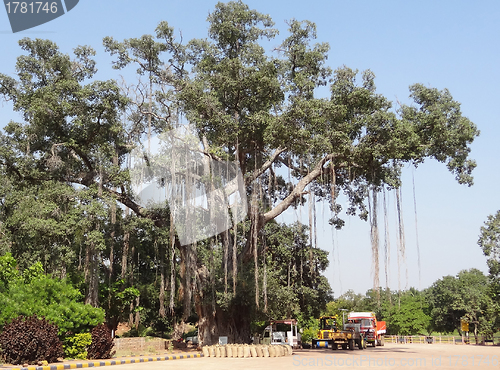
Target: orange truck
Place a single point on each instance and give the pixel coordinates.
(374, 330)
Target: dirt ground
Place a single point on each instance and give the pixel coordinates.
(391, 356)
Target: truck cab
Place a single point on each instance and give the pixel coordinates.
(373, 331)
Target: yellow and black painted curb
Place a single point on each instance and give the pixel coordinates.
(81, 365)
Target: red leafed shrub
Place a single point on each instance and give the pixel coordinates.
(29, 340)
(102, 343)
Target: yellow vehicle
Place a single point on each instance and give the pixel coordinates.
(331, 336)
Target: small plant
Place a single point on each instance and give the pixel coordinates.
(30, 340)
(309, 334)
(76, 346)
(102, 343)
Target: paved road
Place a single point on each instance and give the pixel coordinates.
(391, 356)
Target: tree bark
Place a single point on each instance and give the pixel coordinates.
(91, 276)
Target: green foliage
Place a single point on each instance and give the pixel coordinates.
(29, 340)
(408, 316)
(310, 330)
(36, 293)
(296, 286)
(239, 96)
(489, 241)
(8, 271)
(118, 300)
(41, 220)
(75, 346)
(349, 301)
(309, 334)
(464, 297)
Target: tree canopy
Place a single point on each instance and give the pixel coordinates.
(252, 107)
(489, 242)
(466, 296)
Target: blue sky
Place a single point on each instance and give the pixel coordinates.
(445, 44)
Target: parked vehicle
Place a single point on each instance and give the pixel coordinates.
(331, 335)
(282, 332)
(373, 330)
(193, 339)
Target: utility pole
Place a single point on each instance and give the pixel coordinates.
(343, 313)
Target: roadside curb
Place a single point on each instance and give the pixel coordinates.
(80, 365)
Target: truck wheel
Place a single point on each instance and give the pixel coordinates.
(344, 346)
(313, 344)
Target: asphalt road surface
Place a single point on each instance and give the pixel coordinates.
(391, 356)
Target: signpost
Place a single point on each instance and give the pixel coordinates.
(465, 329)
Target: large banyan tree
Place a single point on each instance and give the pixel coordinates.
(250, 106)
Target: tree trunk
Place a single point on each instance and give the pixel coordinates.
(91, 276)
(233, 323)
(126, 248)
(213, 322)
(161, 297)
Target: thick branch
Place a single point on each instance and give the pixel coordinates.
(125, 200)
(297, 191)
(264, 167)
(287, 202)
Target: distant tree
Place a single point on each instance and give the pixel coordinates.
(464, 297)
(489, 241)
(442, 296)
(350, 301)
(409, 315)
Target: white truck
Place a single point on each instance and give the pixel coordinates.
(282, 332)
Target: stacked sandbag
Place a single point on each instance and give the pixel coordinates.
(205, 351)
(246, 351)
(229, 350)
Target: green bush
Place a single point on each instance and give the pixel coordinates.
(311, 327)
(76, 346)
(33, 292)
(308, 334)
